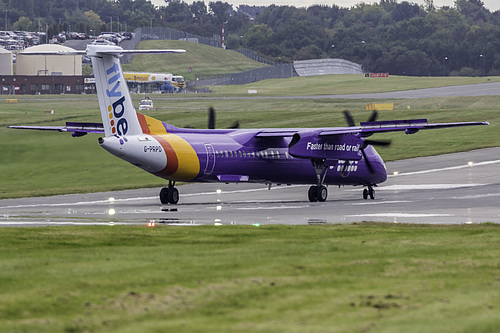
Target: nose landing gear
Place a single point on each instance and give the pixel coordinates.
(369, 192)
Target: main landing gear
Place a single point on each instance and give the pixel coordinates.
(170, 194)
(369, 192)
(318, 192)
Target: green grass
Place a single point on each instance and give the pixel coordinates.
(339, 278)
(344, 84)
(203, 59)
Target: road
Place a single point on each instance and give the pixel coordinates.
(449, 189)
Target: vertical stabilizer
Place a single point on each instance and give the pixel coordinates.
(117, 110)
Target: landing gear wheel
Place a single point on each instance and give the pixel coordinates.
(164, 195)
(313, 193)
(173, 196)
(365, 194)
(371, 193)
(169, 195)
(322, 193)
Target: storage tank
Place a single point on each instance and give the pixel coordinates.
(5, 62)
(48, 64)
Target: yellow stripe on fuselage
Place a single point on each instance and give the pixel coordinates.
(155, 126)
(188, 162)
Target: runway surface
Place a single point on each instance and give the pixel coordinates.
(449, 189)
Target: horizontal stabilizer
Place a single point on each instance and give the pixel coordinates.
(103, 50)
(78, 129)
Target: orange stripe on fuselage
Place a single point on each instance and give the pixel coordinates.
(183, 163)
(172, 161)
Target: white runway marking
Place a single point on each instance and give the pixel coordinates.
(375, 202)
(478, 196)
(400, 215)
(424, 187)
(446, 169)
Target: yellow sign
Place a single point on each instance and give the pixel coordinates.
(11, 100)
(137, 77)
(380, 106)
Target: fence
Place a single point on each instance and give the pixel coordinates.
(254, 56)
(279, 71)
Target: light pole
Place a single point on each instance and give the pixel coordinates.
(484, 63)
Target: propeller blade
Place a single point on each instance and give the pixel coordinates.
(349, 118)
(368, 163)
(373, 117)
(235, 125)
(211, 118)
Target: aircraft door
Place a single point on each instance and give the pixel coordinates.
(210, 159)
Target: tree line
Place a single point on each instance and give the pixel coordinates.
(401, 38)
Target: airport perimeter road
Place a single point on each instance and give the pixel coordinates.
(479, 89)
(450, 189)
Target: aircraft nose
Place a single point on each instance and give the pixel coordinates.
(380, 171)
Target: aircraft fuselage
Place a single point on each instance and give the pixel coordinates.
(237, 156)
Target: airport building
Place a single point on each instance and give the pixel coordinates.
(43, 74)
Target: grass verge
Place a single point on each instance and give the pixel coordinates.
(336, 278)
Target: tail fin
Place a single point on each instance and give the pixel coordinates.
(117, 110)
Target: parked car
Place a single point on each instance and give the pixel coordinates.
(146, 104)
(102, 41)
(111, 36)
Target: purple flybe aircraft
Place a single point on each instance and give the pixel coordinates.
(315, 156)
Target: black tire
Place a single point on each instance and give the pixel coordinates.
(365, 194)
(322, 193)
(164, 196)
(313, 194)
(173, 196)
(372, 193)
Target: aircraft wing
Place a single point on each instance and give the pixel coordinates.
(408, 126)
(367, 128)
(78, 129)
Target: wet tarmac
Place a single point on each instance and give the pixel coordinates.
(448, 189)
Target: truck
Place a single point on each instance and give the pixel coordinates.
(143, 77)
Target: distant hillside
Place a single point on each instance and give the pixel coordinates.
(203, 59)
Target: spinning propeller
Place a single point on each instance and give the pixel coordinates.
(211, 120)
(366, 142)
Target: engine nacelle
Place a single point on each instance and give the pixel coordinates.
(312, 146)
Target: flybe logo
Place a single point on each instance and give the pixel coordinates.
(119, 124)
